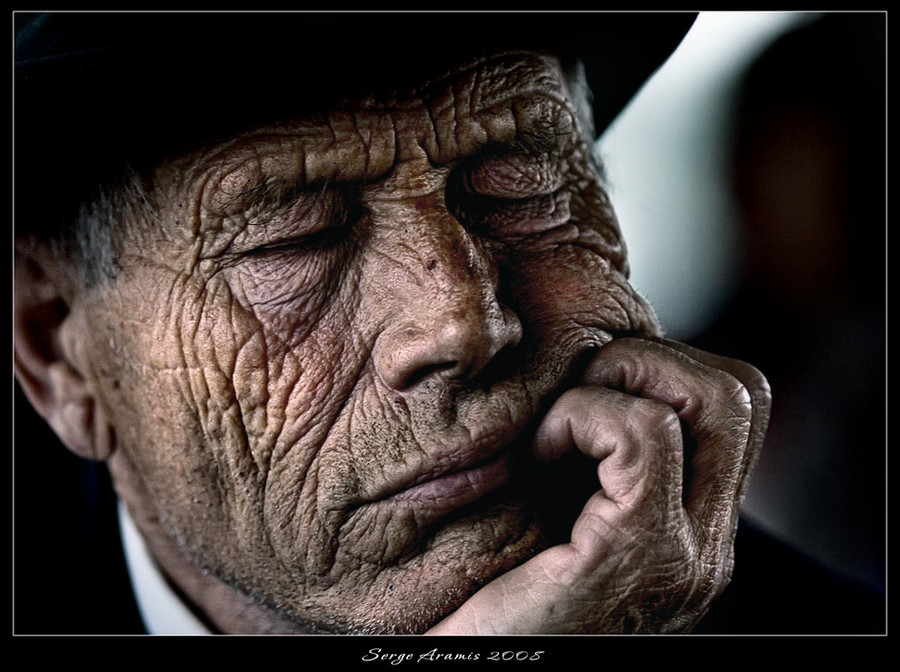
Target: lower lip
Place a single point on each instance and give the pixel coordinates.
(459, 488)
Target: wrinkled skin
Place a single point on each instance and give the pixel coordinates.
(351, 360)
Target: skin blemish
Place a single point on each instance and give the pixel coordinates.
(356, 369)
(424, 204)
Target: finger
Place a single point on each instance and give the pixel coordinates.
(713, 404)
(760, 395)
(637, 442)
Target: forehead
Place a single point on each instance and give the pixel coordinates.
(509, 100)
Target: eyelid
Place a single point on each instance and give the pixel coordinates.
(521, 217)
(514, 176)
(242, 175)
(303, 219)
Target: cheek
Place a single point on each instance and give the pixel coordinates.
(224, 412)
(573, 287)
(190, 403)
(290, 290)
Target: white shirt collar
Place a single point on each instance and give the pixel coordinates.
(162, 611)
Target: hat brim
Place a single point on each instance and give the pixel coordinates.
(93, 89)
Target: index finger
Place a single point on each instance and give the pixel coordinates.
(757, 387)
(723, 417)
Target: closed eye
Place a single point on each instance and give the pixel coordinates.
(514, 216)
(313, 222)
(308, 243)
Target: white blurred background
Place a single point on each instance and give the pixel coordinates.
(671, 178)
(667, 164)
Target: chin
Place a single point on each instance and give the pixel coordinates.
(416, 592)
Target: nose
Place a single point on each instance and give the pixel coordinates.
(454, 344)
(448, 322)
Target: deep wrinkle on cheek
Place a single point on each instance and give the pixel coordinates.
(291, 328)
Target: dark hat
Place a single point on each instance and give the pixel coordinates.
(94, 89)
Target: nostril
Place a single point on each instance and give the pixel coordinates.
(447, 370)
(406, 358)
(411, 356)
(456, 347)
(510, 331)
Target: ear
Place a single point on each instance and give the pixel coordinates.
(54, 382)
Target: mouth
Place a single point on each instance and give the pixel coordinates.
(456, 473)
(470, 464)
(453, 489)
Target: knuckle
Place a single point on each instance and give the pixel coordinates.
(727, 403)
(746, 387)
(737, 400)
(659, 421)
(753, 379)
(729, 391)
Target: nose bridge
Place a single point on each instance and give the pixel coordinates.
(443, 269)
(431, 242)
(451, 261)
(447, 320)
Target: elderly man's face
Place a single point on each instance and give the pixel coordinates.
(325, 348)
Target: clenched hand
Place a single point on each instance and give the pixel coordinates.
(675, 432)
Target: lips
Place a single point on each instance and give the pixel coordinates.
(456, 475)
(458, 488)
(466, 463)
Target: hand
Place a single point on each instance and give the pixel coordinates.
(676, 432)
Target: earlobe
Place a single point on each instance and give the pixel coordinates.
(54, 384)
